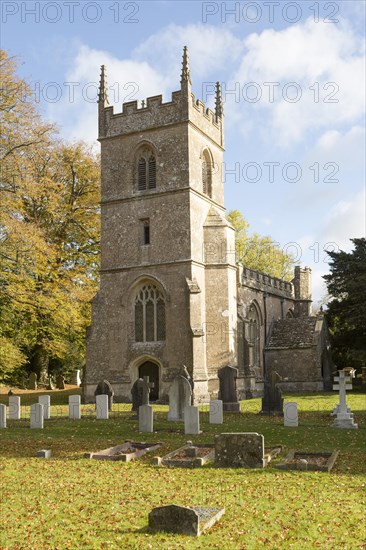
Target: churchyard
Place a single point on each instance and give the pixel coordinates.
(69, 501)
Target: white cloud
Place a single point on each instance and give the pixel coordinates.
(127, 80)
(327, 58)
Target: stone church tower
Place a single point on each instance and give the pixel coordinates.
(171, 293)
(168, 289)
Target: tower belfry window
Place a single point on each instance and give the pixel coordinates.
(146, 170)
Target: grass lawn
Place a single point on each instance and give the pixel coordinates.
(72, 502)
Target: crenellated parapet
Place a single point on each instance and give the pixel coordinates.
(154, 112)
(266, 283)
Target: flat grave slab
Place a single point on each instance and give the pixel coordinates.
(188, 456)
(185, 520)
(129, 450)
(312, 462)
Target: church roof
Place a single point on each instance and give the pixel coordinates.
(293, 333)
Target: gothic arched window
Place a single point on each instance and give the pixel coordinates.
(149, 314)
(146, 170)
(207, 173)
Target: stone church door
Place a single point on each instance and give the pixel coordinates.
(151, 370)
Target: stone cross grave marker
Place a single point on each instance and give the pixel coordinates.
(146, 387)
(290, 415)
(36, 416)
(344, 418)
(14, 407)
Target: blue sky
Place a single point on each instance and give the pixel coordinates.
(293, 78)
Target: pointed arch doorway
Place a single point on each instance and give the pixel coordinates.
(151, 369)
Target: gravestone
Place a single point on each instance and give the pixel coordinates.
(146, 419)
(239, 450)
(228, 393)
(36, 416)
(183, 520)
(180, 397)
(344, 418)
(14, 407)
(2, 416)
(101, 403)
(45, 400)
(272, 401)
(50, 385)
(44, 453)
(146, 386)
(60, 382)
(290, 415)
(32, 383)
(74, 407)
(137, 395)
(216, 412)
(104, 388)
(191, 420)
(75, 379)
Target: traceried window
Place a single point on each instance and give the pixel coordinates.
(149, 314)
(146, 170)
(207, 174)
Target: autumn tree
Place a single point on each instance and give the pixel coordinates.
(258, 252)
(49, 237)
(346, 310)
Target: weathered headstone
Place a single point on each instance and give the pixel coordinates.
(146, 419)
(137, 395)
(45, 400)
(191, 420)
(74, 407)
(180, 397)
(228, 393)
(272, 401)
(146, 386)
(2, 416)
(104, 388)
(344, 418)
(32, 381)
(36, 416)
(14, 407)
(239, 450)
(290, 415)
(183, 520)
(101, 402)
(60, 382)
(216, 412)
